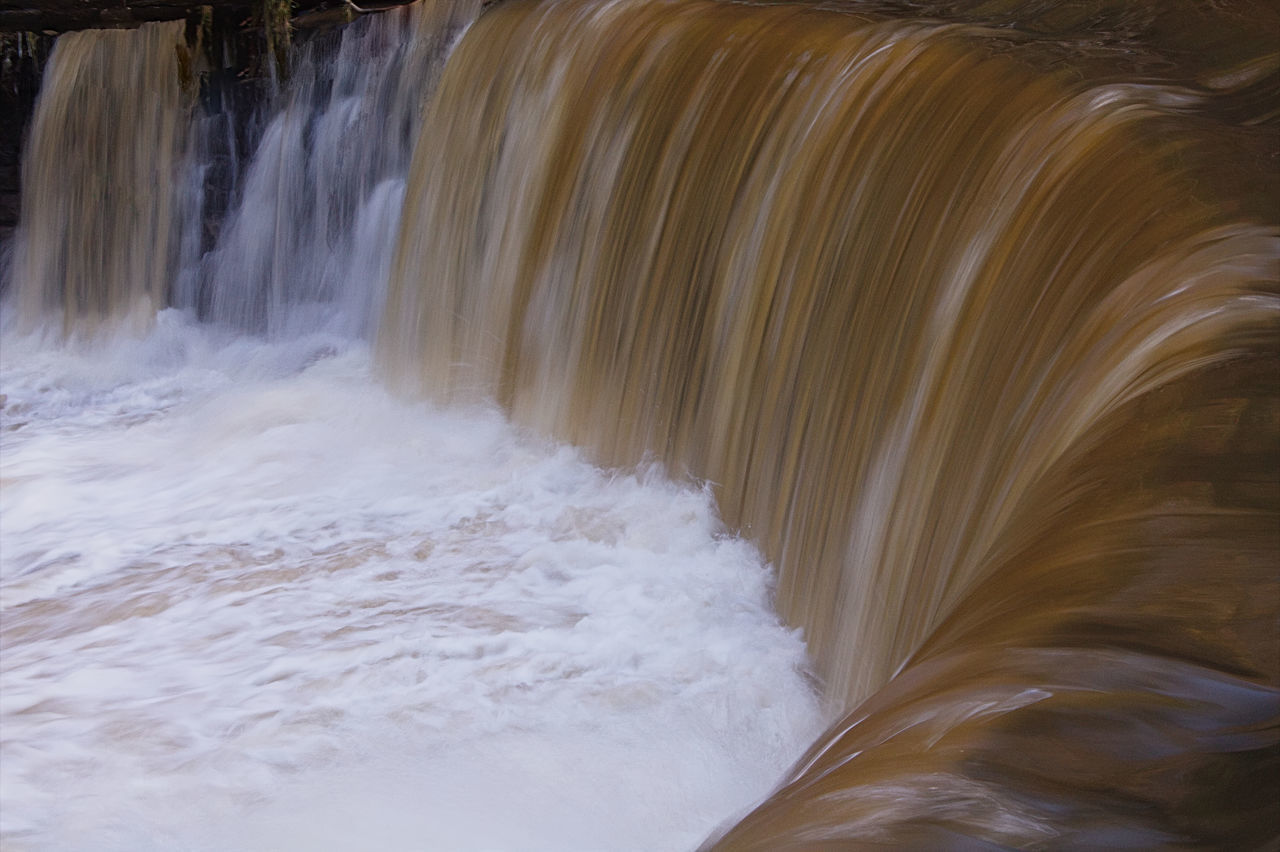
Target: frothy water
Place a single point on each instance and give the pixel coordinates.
(253, 601)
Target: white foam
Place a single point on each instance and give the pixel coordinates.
(252, 601)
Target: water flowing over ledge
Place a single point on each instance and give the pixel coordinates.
(974, 330)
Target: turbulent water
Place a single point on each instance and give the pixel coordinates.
(967, 314)
(253, 602)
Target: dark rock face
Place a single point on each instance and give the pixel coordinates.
(62, 15)
(22, 58)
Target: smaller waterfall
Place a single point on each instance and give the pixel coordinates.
(308, 241)
(137, 199)
(103, 206)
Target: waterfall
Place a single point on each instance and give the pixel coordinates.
(309, 242)
(771, 279)
(103, 209)
(948, 333)
(968, 317)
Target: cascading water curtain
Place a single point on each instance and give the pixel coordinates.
(970, 329)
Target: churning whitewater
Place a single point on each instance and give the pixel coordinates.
(253, 602)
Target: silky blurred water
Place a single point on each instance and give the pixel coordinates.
(965, 315)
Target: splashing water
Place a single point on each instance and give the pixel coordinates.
(253, 602)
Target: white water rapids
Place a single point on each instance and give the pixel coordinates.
(252, 601)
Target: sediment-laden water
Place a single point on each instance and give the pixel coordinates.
(967, 316)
